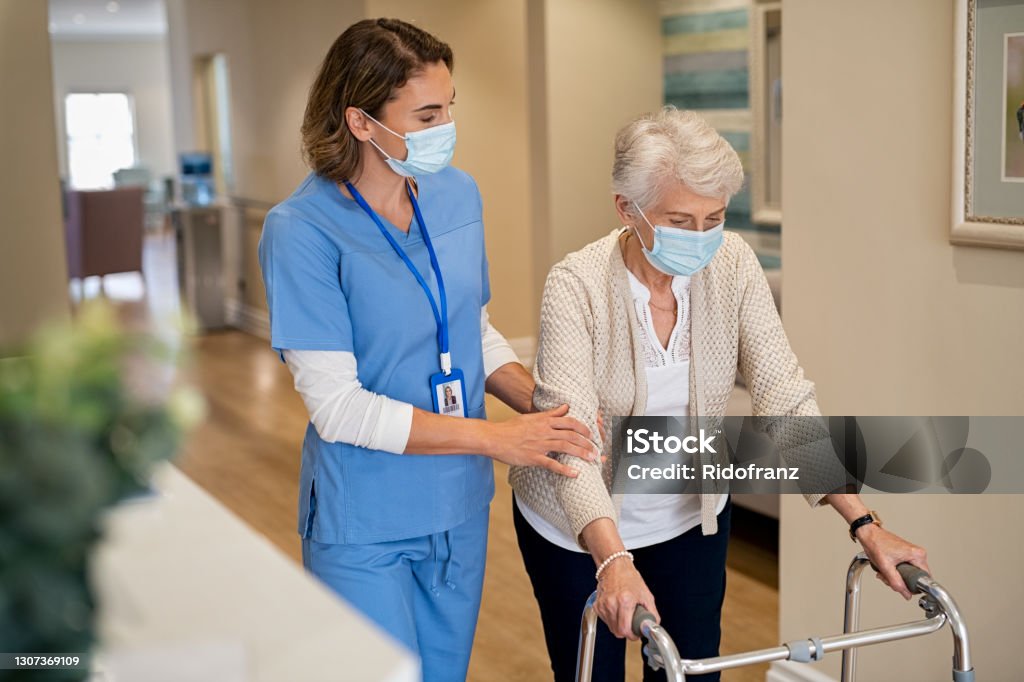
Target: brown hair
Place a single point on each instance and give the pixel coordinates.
(363, 68)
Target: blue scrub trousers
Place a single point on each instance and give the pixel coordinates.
(424, 591)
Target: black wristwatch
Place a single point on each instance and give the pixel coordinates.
(870, 517)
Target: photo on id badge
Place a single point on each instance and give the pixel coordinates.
(449, 394)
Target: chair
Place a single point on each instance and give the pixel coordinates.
(155, 198)
(104, 231)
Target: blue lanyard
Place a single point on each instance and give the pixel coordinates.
(440, 317)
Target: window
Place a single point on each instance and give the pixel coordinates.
(100, 137)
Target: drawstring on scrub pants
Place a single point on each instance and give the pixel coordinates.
(448, 578)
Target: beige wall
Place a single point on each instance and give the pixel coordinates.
(138, 67)
(289, 40)
(541, 90)
(488, 38)
(197, 30)
(600, 65)
(889, 319)
(272, 51)
(33, 269)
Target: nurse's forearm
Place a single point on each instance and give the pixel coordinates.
(512, 385)
(435, 434)
(523, 440)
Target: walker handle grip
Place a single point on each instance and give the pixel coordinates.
(911, 574)
(640, 615)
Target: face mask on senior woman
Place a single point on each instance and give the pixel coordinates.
(677, 251)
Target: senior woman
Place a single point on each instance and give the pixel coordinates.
(655, 319)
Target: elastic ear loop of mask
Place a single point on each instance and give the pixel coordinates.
(378, 148)
(638, 231)
(401, 137)
(374, 143)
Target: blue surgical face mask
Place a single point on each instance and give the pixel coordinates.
(680, 252)
(429, 150)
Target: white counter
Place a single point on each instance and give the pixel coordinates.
(189, 593)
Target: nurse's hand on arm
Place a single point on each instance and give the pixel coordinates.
(620, 587)
(524, 440)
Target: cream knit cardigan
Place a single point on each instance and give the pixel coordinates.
(588, 358)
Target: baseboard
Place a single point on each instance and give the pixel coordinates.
(526, 348)
(788, 671)
(247, 318)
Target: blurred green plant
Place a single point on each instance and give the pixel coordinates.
(86, 411)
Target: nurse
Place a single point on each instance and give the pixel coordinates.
(377, 285)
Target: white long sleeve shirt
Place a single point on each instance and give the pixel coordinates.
(342, 410)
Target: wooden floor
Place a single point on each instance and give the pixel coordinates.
(246, 454)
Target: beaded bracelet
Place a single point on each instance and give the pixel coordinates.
(611, 558)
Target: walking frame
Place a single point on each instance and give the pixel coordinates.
(938, 606)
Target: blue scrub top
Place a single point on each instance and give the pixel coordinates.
(334, 283)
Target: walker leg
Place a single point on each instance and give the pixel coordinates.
(588, 640)
(963, 665)
(851, 614)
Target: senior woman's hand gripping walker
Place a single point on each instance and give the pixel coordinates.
(938, 606)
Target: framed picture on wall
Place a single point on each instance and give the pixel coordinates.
(988, 124)
(1013, 107)
(766, 111)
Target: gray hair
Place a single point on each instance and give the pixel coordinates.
(670, 144)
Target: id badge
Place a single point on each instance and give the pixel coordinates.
(449, 393)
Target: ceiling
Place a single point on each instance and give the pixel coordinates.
(91, 18)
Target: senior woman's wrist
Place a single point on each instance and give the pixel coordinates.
(867, 533)
(601, 538)
(848, 505)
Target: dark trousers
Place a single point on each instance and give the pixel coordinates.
(686, 575)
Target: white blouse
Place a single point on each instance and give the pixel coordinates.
(649, 518)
